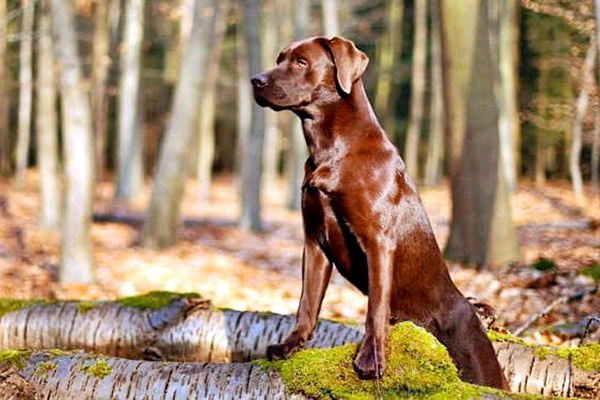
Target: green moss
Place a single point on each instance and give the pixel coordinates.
(418, 366)
(85, 306)
(496, 336)
(585, 357)
(593, 271)
(97, 368)
(44, 368)
(14, 357)
(9, 305)
(544, 264)
(155, 299)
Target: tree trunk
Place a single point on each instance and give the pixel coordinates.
(541, 144)
(435, 152)
(181, 329)
(76, 249)
(389, 52)
(272, 145)
(482, 231)
(5, 145)
(163, 218)
(595, 156)
(207, 109)
(331, 26)
(298, 152)
(252, 168)
(47, 128)
(171, 327)
(509, 125)
(587, 80)
(129, 146)
(100, 65)
(84, 376)
(417, 90)
(25, 91)
(244, 107)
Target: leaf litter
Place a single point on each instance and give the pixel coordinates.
(559, 235)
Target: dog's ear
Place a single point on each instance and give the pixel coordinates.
(350, 62)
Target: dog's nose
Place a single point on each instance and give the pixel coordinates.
(259, 80)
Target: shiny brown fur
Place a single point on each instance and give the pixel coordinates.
(362, 213)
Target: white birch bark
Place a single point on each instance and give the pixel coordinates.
(76, 247)
(25, 91)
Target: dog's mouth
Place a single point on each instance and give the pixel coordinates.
(267, 94)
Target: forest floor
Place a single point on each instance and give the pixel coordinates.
(559, 235)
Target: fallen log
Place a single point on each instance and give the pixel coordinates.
(418, 366)
(171, 327)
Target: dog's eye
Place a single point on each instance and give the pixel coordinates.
(302, 63)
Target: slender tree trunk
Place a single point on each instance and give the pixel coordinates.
(100, 65)
(47, 128)
(581, 106)
(389, 54)
(207, 109)
(509, 124)
(435, 153)
(129, 155)
(482, 231)
(163, 218)
(331, 26)
(298, 152)
(417, 91)
(540, 135)
(596, 138)
(76, 248)
(595, 161)
(5, 145)
(272, 144)
(25, 90)
(252, 170)
(244, 106)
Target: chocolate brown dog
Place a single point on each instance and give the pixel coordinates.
(362, 213)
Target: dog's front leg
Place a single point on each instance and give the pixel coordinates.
(369, 361)
(316, 272)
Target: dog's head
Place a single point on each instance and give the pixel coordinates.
(310, 70)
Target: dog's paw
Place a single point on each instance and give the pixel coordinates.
(281, 351)
(369, 362)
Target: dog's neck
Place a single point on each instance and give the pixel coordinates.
(323, 125)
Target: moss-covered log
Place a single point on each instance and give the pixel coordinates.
(156, 326)
(419, 366)
(170, 327)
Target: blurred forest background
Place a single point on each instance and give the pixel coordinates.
(133, 157)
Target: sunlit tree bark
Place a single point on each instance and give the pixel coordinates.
(329, 9)
(252, 168)
(4, 97)
(482, 231)
(25, 90)
(389, 52)
(76, 248)
(435, 146)
(298, 152)
(272, 144)
(129, 147)
(207, 109)
(417, 89)
(163, 218)
(507, 50)
(46, 119)
(99, 95)
(587, 80)
(186, 329)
